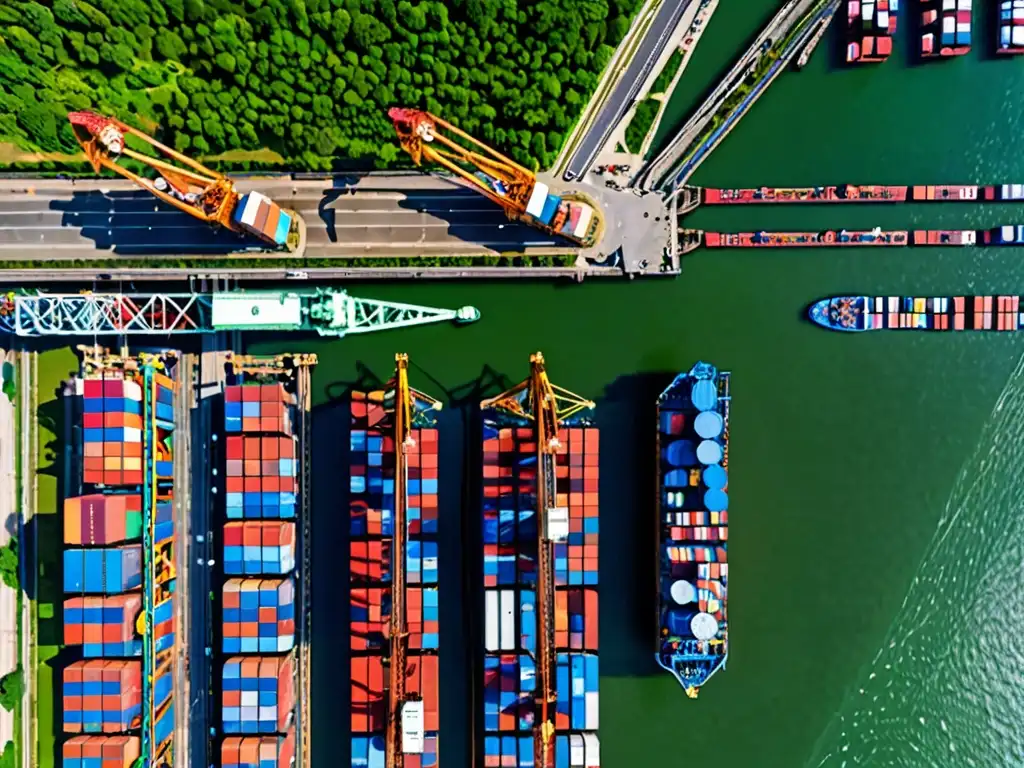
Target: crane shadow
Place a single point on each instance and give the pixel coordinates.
(134, 223)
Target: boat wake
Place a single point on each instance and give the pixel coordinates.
(943, 690)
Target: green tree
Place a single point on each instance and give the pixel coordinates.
(11, 687)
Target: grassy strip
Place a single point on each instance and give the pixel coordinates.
(664, 78)
(643, 119)
(507, 260)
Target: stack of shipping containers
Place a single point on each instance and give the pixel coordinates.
(372, 495)
(258, 668)
(104, 574)
(510, 580)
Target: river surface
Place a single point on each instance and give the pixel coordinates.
(877, 481)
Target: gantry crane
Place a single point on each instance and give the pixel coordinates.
(501, 179)
(194, 189)
(547, 406)
(409, 409)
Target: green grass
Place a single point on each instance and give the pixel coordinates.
(664, 77)
(641, 123)
(54, 367)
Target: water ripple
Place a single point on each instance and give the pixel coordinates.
(943, 690)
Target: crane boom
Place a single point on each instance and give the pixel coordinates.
(547, 406)
(499, 178)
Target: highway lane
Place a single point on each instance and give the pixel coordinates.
(433, 216)
(619, 100)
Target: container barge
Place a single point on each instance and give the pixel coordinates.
(1011, 27)
(871, 25)
(693, 526)
(540, 574)
(949, 313)
(945, 28)
(826, 239)
(840, 193)
(260, 669)
(393, 477)
(119, 612)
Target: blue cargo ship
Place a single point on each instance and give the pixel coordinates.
(693, 568)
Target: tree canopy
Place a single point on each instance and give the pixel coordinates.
(309, 79)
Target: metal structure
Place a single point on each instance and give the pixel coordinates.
(195, 189)
(298, 368)
(328, 312)
(410, 408)
(539, 401)
(158, 559)
(497, 177)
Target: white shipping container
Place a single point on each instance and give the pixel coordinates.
(249, 713)
(586, 214)
(252, 206)
(965, 5)
(412, 727)
(866, 11)
(557, 523)
(132, 435)
(1004, 36)
(1004, 191)
(538, 197)
(1018, 12)
(133, 390)
(268, 713)
(879, 304)
(1016, 191)
(964, 26)
(508, 620)
(894, 304)
(948, 24)
(250, 698)
(577, 754)
(970, 237)
(593, 701)
(1006, 233)
(948, 5)
(1018, 33)
(883, 19)
(592, 745)
(491, 620)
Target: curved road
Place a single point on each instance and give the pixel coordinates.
(379, 216)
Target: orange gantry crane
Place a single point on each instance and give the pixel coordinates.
(194, 188)
(547, 406)
(404, 715)
(516, 189)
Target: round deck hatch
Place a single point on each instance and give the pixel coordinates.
(704, 626)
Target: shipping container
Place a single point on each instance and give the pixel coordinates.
(103, 626)
(261, 476)
(100, 752)
(510, 574)
(102, 696)
(100, 519)
(259, 547)
(258, 751)
(259, 615)
(258, 694)
(102, 571)
(258, 408)
(369, 702)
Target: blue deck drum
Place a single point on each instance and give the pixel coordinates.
(716, 501)
(704, 395)
(679, 621)
(680, 453)
(708, 425)
(715, 478)
(709, 452)
(683, 592)
(677, 478)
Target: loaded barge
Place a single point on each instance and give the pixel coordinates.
(393, 479)
(1005, 235)
(948, 313)
(540, 569)
(871, 25)
(945, 28)
(263, 665)
(693, 519)
(1011, 27)
(862, 193)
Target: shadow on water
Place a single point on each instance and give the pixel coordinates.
(136, 223)
(987, 32)
(628, 488)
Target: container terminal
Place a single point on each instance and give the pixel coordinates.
(693, 526)
(393, 567)
(871, 25)
(947, 313)
(539, 699)
(945, 28)
(1011, 27)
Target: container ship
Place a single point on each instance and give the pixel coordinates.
(945, 28)
(693, 526)
(841, 193)
(118, 694)
(950, 313)
(1011, 27)
(540, 565)
(826, 239)
(261, 667)
(871, 25)
(393, 570)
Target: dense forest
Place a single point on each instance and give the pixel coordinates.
(309, 79)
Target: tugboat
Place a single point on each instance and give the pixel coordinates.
(693, 576)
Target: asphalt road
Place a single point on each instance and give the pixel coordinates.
(627, 87)
(365, 216)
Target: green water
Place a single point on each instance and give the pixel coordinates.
(876, 542)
